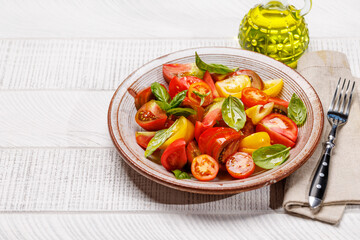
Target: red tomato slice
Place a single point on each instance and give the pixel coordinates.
(256, 81)
(279, 101)
(208, 79)
(253, 96)
(151, 117)
(180, 84)
(200, 88)
(174, 156)
(240, 165)
(192, 151)
(217, 142)
(172, 70)
(208, 122)
(280, 128)
(143, 138)
(204, 168)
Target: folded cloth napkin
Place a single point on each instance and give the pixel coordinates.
(323, 70)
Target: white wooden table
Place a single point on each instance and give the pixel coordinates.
(60, 176)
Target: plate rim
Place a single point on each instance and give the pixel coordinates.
(179, 185)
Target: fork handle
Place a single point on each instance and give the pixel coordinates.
(319, 182)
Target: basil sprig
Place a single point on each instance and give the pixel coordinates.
(213, 68)
(271, 156)
(233, 113)
(202, 96)
(159, 138)
(163, 99)
(297, 110)
(180, 174)
(181, 111)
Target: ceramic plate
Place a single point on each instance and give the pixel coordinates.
(122, 125)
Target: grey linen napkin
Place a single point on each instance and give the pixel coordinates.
(323, 70)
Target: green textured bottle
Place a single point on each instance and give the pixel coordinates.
(276, 29)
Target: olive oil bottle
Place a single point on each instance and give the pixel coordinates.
(276, 29)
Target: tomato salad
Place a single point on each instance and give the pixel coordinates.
(213, 118)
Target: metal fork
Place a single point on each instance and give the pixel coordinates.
(337, 115)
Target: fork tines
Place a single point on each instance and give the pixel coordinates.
(342, 100)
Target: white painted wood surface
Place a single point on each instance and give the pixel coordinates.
(58, 169)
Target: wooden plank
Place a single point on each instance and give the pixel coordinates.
(158, 18)
(155, 225)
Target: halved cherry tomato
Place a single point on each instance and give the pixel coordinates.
(208, 79)
(219, 142)
(174, 156)
(151, 117)
(253, 96)
(143, 138)
(181, 70)
(233, 85)
(257, 140)
(143, 97)
(183, 129)
(256, 81)
(204, 168)
(200, 90)
(180, 84)
(192, 151)
(240, 165)
(280, 105)
(280, 128)
(258, 112)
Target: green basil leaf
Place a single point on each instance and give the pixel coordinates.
(181, 175)
(160, 92)
(213, 68)
(181, 111)
(201, 96)
(177, 100)
(163, 105)
(233, 113)
(297, 110)
(271, 156)
(159, 138)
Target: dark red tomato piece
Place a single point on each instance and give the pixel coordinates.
(192, 151)
(256, 81)
(172, 70)
(204, 168)
(280, 128)
(174, 156)
(240, 165)
(252, 96)
(249, 127)
(199, 110)
(143, 138)
(143, 97)
(200, 94)
(208, 79)
(151, 117)
(180, 84)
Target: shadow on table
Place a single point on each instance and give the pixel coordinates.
(166, 195)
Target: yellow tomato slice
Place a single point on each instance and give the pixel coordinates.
(233, 86)
(273, 87)
(247, 150)
(258, 112)
(255, 141)
(183, 129)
